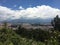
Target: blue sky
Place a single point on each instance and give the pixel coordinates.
(29, 3)
(29, 9)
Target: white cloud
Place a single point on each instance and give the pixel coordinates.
(5, 13)
(29, 13)
(21, 7)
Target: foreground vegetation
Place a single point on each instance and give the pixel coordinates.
(22, 36)
(51, 37)
(32, 37)
(9, 37)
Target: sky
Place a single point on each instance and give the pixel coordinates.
(29, 9)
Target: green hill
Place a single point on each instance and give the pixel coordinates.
(9, 37)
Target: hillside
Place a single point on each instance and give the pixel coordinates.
(9, 37)
(23, 36)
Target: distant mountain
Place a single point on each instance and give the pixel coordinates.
(37, 20)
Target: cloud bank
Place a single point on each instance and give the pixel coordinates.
(42, 11)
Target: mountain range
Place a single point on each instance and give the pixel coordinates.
(32, 21)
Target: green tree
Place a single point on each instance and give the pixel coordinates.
(56, 23)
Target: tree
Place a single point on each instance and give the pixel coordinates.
(56, 23)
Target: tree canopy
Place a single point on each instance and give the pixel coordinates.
(56, 23)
